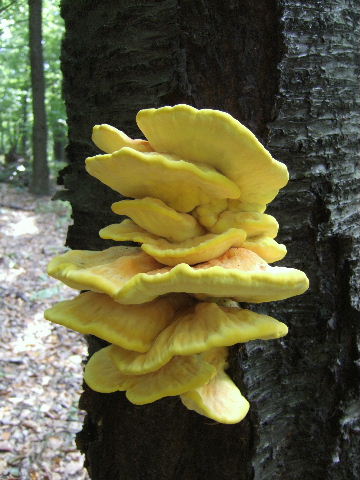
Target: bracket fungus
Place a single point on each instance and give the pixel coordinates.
(199, 185)
(156, 217)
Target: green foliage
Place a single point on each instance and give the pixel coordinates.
(15, 84)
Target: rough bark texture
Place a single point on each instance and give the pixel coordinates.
(288, 70)
(306, 388)
(40, 172)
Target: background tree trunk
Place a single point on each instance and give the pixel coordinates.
(40, 172)
(288, 71)
(59, 143)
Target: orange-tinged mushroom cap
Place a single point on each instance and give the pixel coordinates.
(136, 277)
(172, 379)
(156, 217)
(133, 327)
(194, 250)
(180, 184)
(217, 139)
(198, 329)
(109, 139)
(178, 376)
(219, 399)
(102, 376)
(104, 271)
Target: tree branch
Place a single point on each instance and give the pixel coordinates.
(2, 9)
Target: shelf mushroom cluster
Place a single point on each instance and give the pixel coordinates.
(199, 185)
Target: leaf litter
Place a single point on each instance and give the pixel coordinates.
(41, 363)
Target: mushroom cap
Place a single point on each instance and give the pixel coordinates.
(217, 139)
(176, 377)
(196, 330)
(135, 277)
(104, 271)
(109, 139)
(209, 214)
(156, 217)
(194, 250)
(219, 399)
(133, 327)
(267, 248)
(180, 184)
(254, 223)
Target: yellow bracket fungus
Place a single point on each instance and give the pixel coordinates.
(267, 248)
(133, 327)
(195, 250)
(157, 218)
(219, 399)
(136, 277)
(109, 139)
(253, 223)
(199, 329)
(180, 184)
(199, 187)
(216, 139)
(219, 215)
(178, 376)
(105, 271)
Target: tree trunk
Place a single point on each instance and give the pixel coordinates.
(40, 172)
(59, 142)
(288, 71)
(23, 129)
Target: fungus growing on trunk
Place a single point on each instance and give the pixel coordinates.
(133, 327)
(135, 277)
(200, 185)
(216, 139)
(157, 218)
(180, 184)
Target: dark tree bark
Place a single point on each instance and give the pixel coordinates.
(288, 70)
(59, 143)
(40, 172)
(23, 146)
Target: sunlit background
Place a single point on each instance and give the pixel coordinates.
(15, 89)
(40, 363)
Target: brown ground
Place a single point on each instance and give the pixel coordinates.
(40, 363)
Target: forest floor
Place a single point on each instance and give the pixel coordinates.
(41, 363)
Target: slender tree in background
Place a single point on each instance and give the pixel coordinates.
(288, 70)
(15, 83)
(40, 170)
